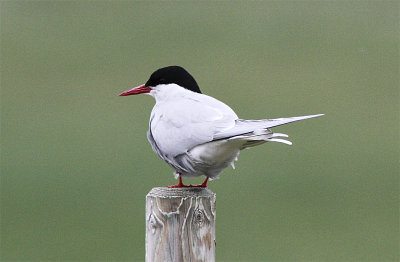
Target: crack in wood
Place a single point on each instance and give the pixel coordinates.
(180, 224)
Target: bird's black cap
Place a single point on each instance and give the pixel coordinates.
(173, 75)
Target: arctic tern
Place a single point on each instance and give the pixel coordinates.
(197, 134)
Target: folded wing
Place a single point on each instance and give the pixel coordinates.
(257, 126)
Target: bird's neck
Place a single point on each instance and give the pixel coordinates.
(169, 92)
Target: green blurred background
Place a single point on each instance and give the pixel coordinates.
(76, 164)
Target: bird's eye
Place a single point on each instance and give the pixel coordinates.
(162, 81)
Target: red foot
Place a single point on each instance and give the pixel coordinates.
(204, 184)
(180, 184)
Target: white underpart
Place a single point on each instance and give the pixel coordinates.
(199, 135)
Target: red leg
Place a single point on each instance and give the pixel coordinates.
(204, 184)
(180, 184)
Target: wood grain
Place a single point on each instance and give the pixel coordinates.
(180, 224)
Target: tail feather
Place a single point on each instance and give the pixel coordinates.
(258, 139)
(280, 141)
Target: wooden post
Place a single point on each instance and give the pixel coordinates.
(180, 224)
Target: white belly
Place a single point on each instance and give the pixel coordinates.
(216, 152)
(210, 158)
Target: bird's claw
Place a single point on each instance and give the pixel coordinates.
(180, 184)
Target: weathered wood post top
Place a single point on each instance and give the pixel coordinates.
(180, 224)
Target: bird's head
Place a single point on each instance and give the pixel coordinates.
(164, 78)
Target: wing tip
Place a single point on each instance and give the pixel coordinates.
(311, 116)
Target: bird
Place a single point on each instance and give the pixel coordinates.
(197, 134)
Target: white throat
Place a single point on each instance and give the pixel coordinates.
(166, 92)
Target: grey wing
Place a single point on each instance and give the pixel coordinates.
(157, 150)
(283, 121)
(249, 126)
(176, 131)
